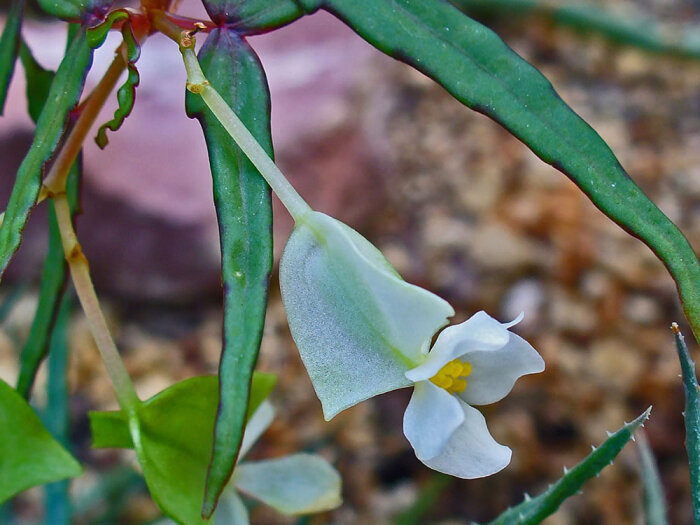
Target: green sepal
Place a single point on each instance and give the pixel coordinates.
(244, 213)
(173, 437)
(63, 95)
(9, 47)
(29, 455)
(692, 419)
(127, 91)
(474, 65)
(534, 510)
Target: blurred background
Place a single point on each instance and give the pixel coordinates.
(455, 203)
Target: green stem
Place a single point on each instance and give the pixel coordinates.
(197, 83)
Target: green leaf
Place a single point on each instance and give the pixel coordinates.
(63, 96)
(534, 510)
(29, 456)
(473, 64)
(53, 275)
(243, 207)
(627, 27)
(9, 47)
(257, 16)
(654, 500)
(56, 415)
(127, 91)
(427, 498)
(173, 440)
(692, 418)
(89, 11)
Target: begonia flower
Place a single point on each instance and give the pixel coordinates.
(362, 330)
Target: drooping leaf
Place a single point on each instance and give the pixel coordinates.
(534, 510)
(53, 274)
(9, 47)
(473, 64)
(174, 440)
(243, 207)
(56, 415)
(692, 418)
(257, 16)
(629, 28)
(127, 91)
(89, 11)
(29, 456)
(654, 499)
(63, 95)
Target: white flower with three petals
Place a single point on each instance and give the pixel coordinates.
(362, 330)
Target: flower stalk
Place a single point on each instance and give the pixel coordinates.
(197, 83)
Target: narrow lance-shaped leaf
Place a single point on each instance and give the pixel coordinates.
(625, 27)
(692, 418)
(53, 274)
(9, 47)
(29, 456)
(63, 96)
(534, 510)
(654, 500)
(174, 440)
(56, 416)
(244, 212)
(473, 64)
(127, 92)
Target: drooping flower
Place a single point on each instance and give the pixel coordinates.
(362, 330)
(295, 484)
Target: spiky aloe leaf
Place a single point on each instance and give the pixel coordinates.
(534, 510)
(654, 500)
(692, 418)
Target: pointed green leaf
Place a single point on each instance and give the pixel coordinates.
(53, 275)
(654, 499)
(174, 440)
(29, 456)
(9, 47)
(63, 95)
(473, 64)
(692, 418)
(534, 510)
(626, 27)
(127, 91)
(244, 212)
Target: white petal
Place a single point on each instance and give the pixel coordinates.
(297, 484)
(231, 510)
(257, 424)
(471, 451)
(479, 332)
(431, 417)
(494, 373)
(358, 326)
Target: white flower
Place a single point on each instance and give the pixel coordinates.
(361, 330)
(295, 484)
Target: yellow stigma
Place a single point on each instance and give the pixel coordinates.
(451, 376)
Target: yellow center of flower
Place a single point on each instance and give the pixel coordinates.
(451, 376)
